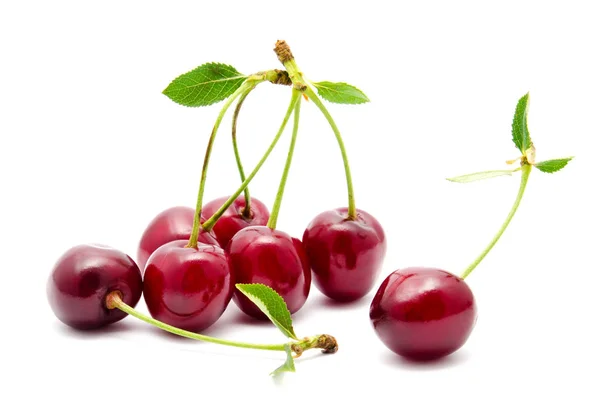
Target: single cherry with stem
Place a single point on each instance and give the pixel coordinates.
(83, 276)
(245, 211)
(263, 254)
(428, 313)
(345, 246)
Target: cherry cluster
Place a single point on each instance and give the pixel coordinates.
(191, 262)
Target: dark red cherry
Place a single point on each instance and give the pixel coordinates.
(233, 220)
(423, 313)
(186, 287)
(259, 254)
(174, 223)
(82, 278)
(345, 255)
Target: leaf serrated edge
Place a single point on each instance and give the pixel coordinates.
(168, 91)
(322, 86)
(290, 333)
(558, 160)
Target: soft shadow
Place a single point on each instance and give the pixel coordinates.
(115, 328)
(241, 318)
(453, 360)
(324, 301)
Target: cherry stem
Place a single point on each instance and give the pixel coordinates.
(272, 223)
(193, 242)
(287, 59)
(246, 212)
(325, 342)
(208, 225)
(351, 203)
(525, 171)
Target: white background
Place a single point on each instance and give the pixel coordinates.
(91, 150)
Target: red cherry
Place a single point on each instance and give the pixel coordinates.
(188, 288)
(259, 254)
(423, 313)
(346, 255)
(174, 223)
(83, 277)
(232, 220)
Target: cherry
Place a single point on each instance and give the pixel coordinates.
(346, 255)
(423, 313)
(82, 278)
(188, 287)
(259, 254)
(235, 217)
(174, 223)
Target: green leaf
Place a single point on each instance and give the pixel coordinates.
(481, 175)
(520, 132)
(270, 303)
(210, 83)
(340, 92)
(552, 165)
(288, 365)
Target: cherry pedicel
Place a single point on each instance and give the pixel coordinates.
(245, 210)
(262, 254)
(345, 247)
(83, 276)
(428, 313)
(174, 223)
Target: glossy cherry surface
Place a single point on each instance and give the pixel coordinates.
(423, 313)
(82, 278)
(259, 254)
(345, 255)
(233, 220)
(174, 223)
(186, 287)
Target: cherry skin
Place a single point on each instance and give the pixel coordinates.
(174, 223)
(423, 313)
(259, 254)
(82, 278)
(188, 288)
(346, 255)
(233, 220)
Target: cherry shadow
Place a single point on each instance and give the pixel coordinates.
(456, 359)
(325, 302)
(118, 327)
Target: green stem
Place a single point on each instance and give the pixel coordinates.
(113, 300)
(193, 242)
(208, 225)
(351, 202)
(525, 170)
(326, 343)
(299, 82)
(272, 223)
(246, 213)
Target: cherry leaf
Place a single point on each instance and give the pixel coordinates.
(340, 92)
(270, 303)
(210, 83)
(552, 165)
(520, 132)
